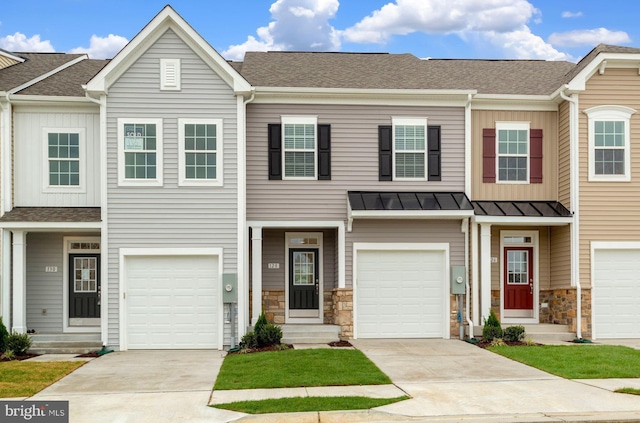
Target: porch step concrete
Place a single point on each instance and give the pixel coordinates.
(310, 334)
(67, 343)
(542, 333)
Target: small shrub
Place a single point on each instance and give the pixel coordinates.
(4, 334)
(19, 343)
(8, 355)
(260, 323)
(498, 342)
(249, 340)
(491, 328)
(530, 342)
(269, 335)
(514, 333)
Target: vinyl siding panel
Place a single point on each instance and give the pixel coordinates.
(608, 210)
(405, 231)
(170, 216)
(560, 254)
(31, 167)
(354, 159)
(564, 155)
(548, 189)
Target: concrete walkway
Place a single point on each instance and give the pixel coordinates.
(448, 380)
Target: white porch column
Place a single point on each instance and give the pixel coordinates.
(256, 273)
(485, 275)
(475, 279)
(6, 277)
(19, 323)
(341, 257)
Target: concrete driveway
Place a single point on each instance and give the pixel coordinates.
(453, 378)
(143, 386)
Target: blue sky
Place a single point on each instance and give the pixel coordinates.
(500, 29)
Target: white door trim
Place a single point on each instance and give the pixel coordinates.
(66, 326)
(392, 246)
(288, 236)
(534, 235)
(123, 253)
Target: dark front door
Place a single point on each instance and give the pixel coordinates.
(304, 282)
(84, 286)
(518, 278)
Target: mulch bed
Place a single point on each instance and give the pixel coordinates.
(340, 344)
(91, 354)
(263, 349)
(19, 357)
(485, 344)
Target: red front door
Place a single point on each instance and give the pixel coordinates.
(518, 278)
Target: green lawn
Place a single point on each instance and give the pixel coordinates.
(577, 361)
(633, 391)
(293, 368)
(301, 404)
(24, 379)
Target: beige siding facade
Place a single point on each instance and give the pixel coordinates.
(608, 210)
(564, 155)
(560, 257)
(548, 189)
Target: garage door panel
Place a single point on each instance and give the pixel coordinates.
(616, 293)
(172, 302)
(400, 294)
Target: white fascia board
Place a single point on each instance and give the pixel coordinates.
(167, 18)
(524, 221)
(49, 100)
(614, 60)
(48, 74)
(543, 103)
(411, 214)
(11, 56)
(302, 224)
(69, 226)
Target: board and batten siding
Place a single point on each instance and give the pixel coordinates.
(608, 210)
(405, 232)
(170, 216)
(354, 159)
(548, 189)
(30, 156)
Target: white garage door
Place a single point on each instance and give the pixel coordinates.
(172, 302)
(400, 294)
(616, 294)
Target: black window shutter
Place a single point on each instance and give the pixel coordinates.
(275, 151)
(385, 150)
(433, 153)
(324, 152)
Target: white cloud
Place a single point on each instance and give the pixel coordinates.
(589, 37)
(102, 47)
(523, 44)
(568, 14)
(296, 25)
(19, 42)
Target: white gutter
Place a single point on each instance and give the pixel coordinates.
(465, 231)
(575, 203)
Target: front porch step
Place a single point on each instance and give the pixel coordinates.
(310, 334)
(67, 343)
(543, 333)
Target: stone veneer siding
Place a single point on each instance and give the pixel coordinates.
(342, 300)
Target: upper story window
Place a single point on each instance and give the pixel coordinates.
(64, 162)
(609, 143)
(513, 151)
(299, 147)
(170, 74)
(200, 151)
(409, 148)
(140, 152)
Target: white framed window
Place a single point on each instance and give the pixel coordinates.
(512, 152)
(299, 152)
(409, 148)
(609, 143)
(64, 159)
(170, 74)
(140, 152)
(200, 152)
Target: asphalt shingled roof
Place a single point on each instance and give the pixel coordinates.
(35, 65)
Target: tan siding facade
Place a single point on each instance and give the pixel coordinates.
(564, 157)
(560, 260)
(609, 210)
(548, 189)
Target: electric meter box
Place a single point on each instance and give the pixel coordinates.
(229, 288)
(458, 280)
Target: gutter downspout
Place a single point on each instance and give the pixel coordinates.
(465, 231)
(243, 242)
(575, 202)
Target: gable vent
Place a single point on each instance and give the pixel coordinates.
(169, 74)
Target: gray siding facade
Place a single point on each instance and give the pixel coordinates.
(170, 216)
(354, 159)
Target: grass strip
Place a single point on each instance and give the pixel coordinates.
(632, 391)
(294, 368)
(577, 361)
(24, 379)
(302, 404)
